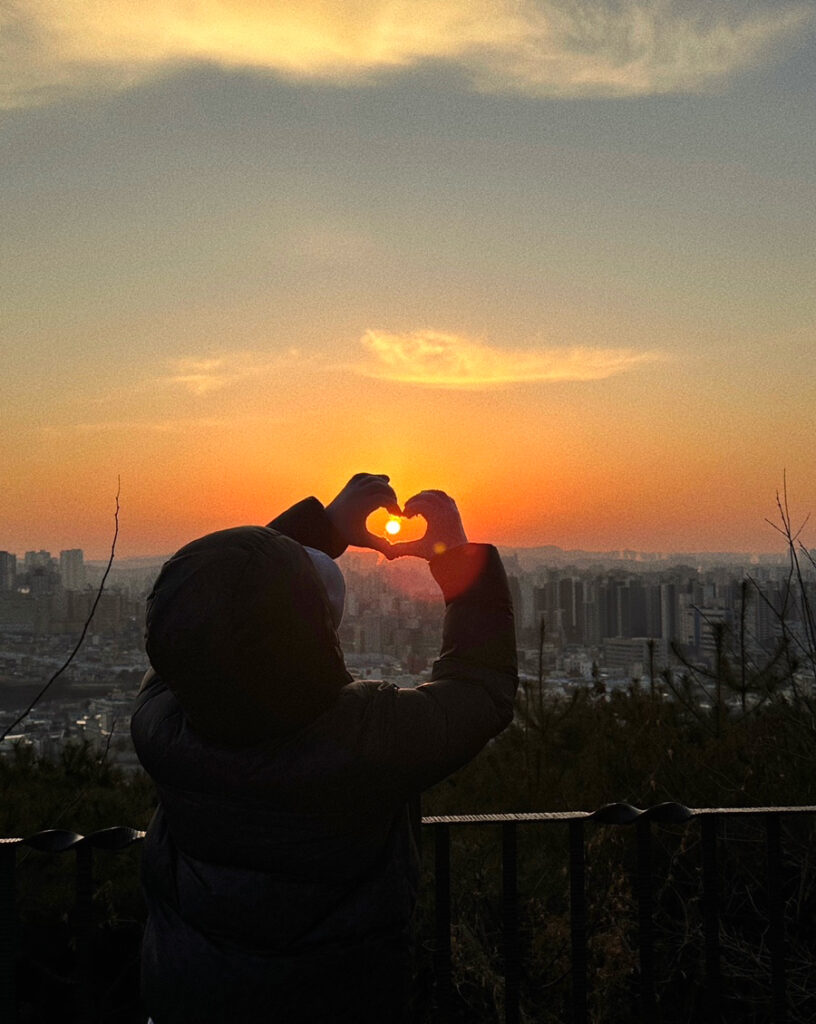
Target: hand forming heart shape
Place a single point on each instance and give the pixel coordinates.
(413, 528)
(367, 494)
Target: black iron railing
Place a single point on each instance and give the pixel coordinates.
(575, 825)
(646, 1010)
(56, 841)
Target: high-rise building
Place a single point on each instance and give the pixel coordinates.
(8, 570)
(37, 560)
(72, 569)
(669, 617)
(571, 600)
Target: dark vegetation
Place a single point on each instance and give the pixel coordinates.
(573, 753)
(587, 751)
(79, 792)
(737, 733)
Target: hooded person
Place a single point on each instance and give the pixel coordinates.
(280, 869)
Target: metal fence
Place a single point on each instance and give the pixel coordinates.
(645, 1008)
(574, 824)
(56, 841)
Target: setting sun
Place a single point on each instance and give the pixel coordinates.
(393, 527)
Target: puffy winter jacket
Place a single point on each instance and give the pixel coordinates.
(280, 870)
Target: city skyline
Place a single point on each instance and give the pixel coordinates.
(532, 558)
(555, 259)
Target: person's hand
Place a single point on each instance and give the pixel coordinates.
(355, 503)
(444, 531)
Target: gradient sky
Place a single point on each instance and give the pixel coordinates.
(554, 257)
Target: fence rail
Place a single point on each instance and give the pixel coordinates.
(58, 841)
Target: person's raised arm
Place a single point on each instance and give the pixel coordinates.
(423, 734)
(343, 521)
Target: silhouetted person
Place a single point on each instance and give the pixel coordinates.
(280, 870)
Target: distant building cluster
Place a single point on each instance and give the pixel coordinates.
(45, 595)
(42, 571)
(392, 623)
(45, 603)
(90, 700)
(596, 620)
(102, 721)
(633, 624)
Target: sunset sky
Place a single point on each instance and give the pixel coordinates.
(554, 257)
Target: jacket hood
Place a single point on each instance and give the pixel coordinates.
(239, 628)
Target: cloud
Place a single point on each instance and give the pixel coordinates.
(428, 358)
(535, 47)
(139, 427)
(434, 359)
(201, 376)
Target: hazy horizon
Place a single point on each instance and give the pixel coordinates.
(100, 558)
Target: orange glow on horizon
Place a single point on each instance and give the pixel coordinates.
(568, 485)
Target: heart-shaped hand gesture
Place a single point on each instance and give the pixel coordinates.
(366, 492)
(353, 505)
(444, 531)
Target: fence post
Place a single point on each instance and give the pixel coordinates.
(711, 916)
(83, 923)
(645, 922)
(8, 932)
(415, 819)
(512, 956)
(578, 924)
(442, 954)
(776, 919)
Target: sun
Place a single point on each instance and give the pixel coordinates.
(393, 527)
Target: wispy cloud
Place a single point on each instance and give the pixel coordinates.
(201, 376)
(536, 47)
(140, 427)
(434, 359)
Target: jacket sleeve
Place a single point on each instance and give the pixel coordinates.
(307, 523)
(416, 737)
